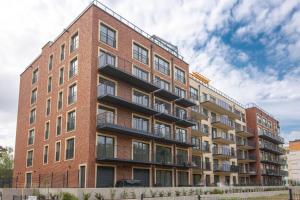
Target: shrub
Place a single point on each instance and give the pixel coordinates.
(112, 194)
(217, 191)
(99, 196)
(86, 196)
(161, 193)
(169, 193)
(177, 193)
(153, 193)
(133, 195)
(124, 195)
(191, 192)
(184, 192)
(53, 196)
(68, 196)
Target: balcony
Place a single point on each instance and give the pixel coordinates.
(243, 131)
(245, 158)
(201, 148)
(219, 106)
(271, 137)
(271, 160)
(184, 120)
(200, 130)
(271, 148)
(273, 172)
(197, 114)
(223, 138)
(205, 166)
(106, 94)
(245, 144)
(222, 122)
(123, 71)
(108, 122)
(246, 171)
(184, 101)
(223, 153)
(225, 168)
(165, 92)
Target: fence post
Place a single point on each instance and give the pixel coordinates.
(142, 196)
(39, 180)
(199, 197)
(290, 194)
(51, 180)
(67, 178)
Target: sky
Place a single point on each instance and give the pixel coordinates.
(249, 49)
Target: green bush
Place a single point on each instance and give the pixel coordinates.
(68, 196)
(217, 191)
(86, 196)
(99, 196)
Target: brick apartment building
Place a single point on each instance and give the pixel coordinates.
(106, 101)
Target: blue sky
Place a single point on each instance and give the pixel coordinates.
(249, 49)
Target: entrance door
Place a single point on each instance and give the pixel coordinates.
(142, 175)
(227, 180)
(105, 176)
(197, 179)
(207, 180)
(82, 177)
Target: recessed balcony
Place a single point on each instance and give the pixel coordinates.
(184, 101)
(225, 168)
(122, 70)
(165, 92)
(223, 153)
(243, 131)
(271, 148)
(270, 160)
(198, 114)
(198, 165)
(107, 94)
(222, 122)
(273, 172)
(245, 144)
(274, 138)
(200, 130)
(219, 106)
(223, 138)
(201, 148)
(245, 158)
(118, 124)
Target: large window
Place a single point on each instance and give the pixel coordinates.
(33, 96)
(180, 92)
(162, 106)
(62, 52)
(142, 74)
(141, 151)
(49, 86)
(48, 107)
(50, 64)
(58, 125)
(47, 130)
(163, 155)
(45, 156)
(107, 59)
(29, 158)
(35, 76)
(57, 151)
(60, 100)
(194, 93)
(181, 113)
(61, 76)
(31, 137)
(179, 75)
(162, 83)
(163, 178)
(183, 178)
(106, 87)
(105, 147)
(140, 98)
(140, 123)
(32, 117)
(72, 94)
(181, 135)
(71, 123)
(161, 65)
(74, 42)
(105, 115)
(107, 35)
(140, 53)
(70, 148)
(28, 180)
(163, 130)
(73, 70)
(182, 157)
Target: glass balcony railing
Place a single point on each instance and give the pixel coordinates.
(223, 120)
(271, 136)
(225, 167)
(224, 151)
(223, 136)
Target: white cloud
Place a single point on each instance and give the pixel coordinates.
(188, 24)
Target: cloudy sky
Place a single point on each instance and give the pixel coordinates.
(249, 49)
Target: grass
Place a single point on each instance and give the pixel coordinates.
(277, 197)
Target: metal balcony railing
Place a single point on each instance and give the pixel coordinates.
(225, 167)
(271, 136)
(224, 120)
(225, 151)
(224, 136)
(271, 147)
(241, 156)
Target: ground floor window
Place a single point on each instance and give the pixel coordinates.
(164, 178)
(207, 180)
(105, 176)
(183, 179)
(143, 175)
(82, 171)
(216, 179)
(197, 179)
(28, 180)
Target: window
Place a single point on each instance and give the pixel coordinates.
(107, 35)
(181, 113)
(70, 148)
(72, 94)
(163, 155)
(107, 59)
(60, 100)
(140, 152)
(58, 125)
(31, 137)
(35, 76)
(71, 121)
(182, 157)
(183, 179)
(164, 178)
(142, 74)
(45, 157)
(62, 52)
(140, 53)
(73, 68)
(48, 107)
(33, 96)
(61, 76)
(49, 88)
(140, 98)
(29, 158)
(162, 83)
(194, 94)
(105, 115)
(106, 87)
(81, 176)
(32, 116)
(140, 123)
(180, 92)
(181, 135)
(74, 42)
(57, 151)
(161, 65)
(105, 147)
(179, 75)
(28, 180)
(162, 130)
(50, 64)
(47, 130)
(162, 106)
